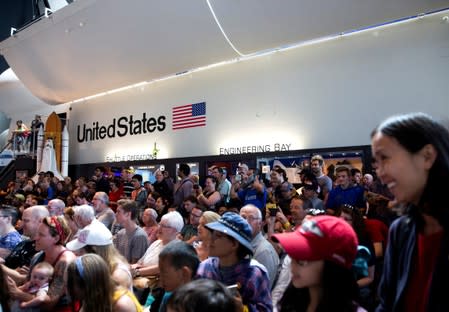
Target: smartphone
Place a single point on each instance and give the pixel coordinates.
(272, 208)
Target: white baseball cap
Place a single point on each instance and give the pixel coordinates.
(96, 234)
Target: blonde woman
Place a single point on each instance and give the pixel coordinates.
(97, 239)
(90, 283)
(204, 234)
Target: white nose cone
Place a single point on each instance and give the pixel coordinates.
(49, 160)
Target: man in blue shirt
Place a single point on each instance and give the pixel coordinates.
(345, 192)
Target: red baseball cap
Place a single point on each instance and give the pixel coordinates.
(321, 238)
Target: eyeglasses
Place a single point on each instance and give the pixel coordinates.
(4, 216)
(196, 216)
(165, 226)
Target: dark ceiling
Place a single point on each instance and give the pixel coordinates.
(16, 14)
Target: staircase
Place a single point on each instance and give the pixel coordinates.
(20, 165)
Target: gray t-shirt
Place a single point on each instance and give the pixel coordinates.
(132, 246)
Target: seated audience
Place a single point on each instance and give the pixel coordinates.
(229, 262)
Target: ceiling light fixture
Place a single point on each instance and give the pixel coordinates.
(222, 30)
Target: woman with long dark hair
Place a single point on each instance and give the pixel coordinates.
(411, 154)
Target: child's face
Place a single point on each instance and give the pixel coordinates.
(39, 277)
(170, 277)
(307, 273)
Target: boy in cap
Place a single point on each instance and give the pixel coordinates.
(229, 262)
(322, 250)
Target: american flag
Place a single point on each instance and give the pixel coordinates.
(189, 116)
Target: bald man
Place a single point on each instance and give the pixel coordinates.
(17, 263)
(21, 255)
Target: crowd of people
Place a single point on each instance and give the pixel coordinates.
(237, 243)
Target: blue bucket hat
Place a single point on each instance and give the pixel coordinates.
(235, 226)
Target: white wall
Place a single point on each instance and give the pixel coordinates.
(325, 95)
